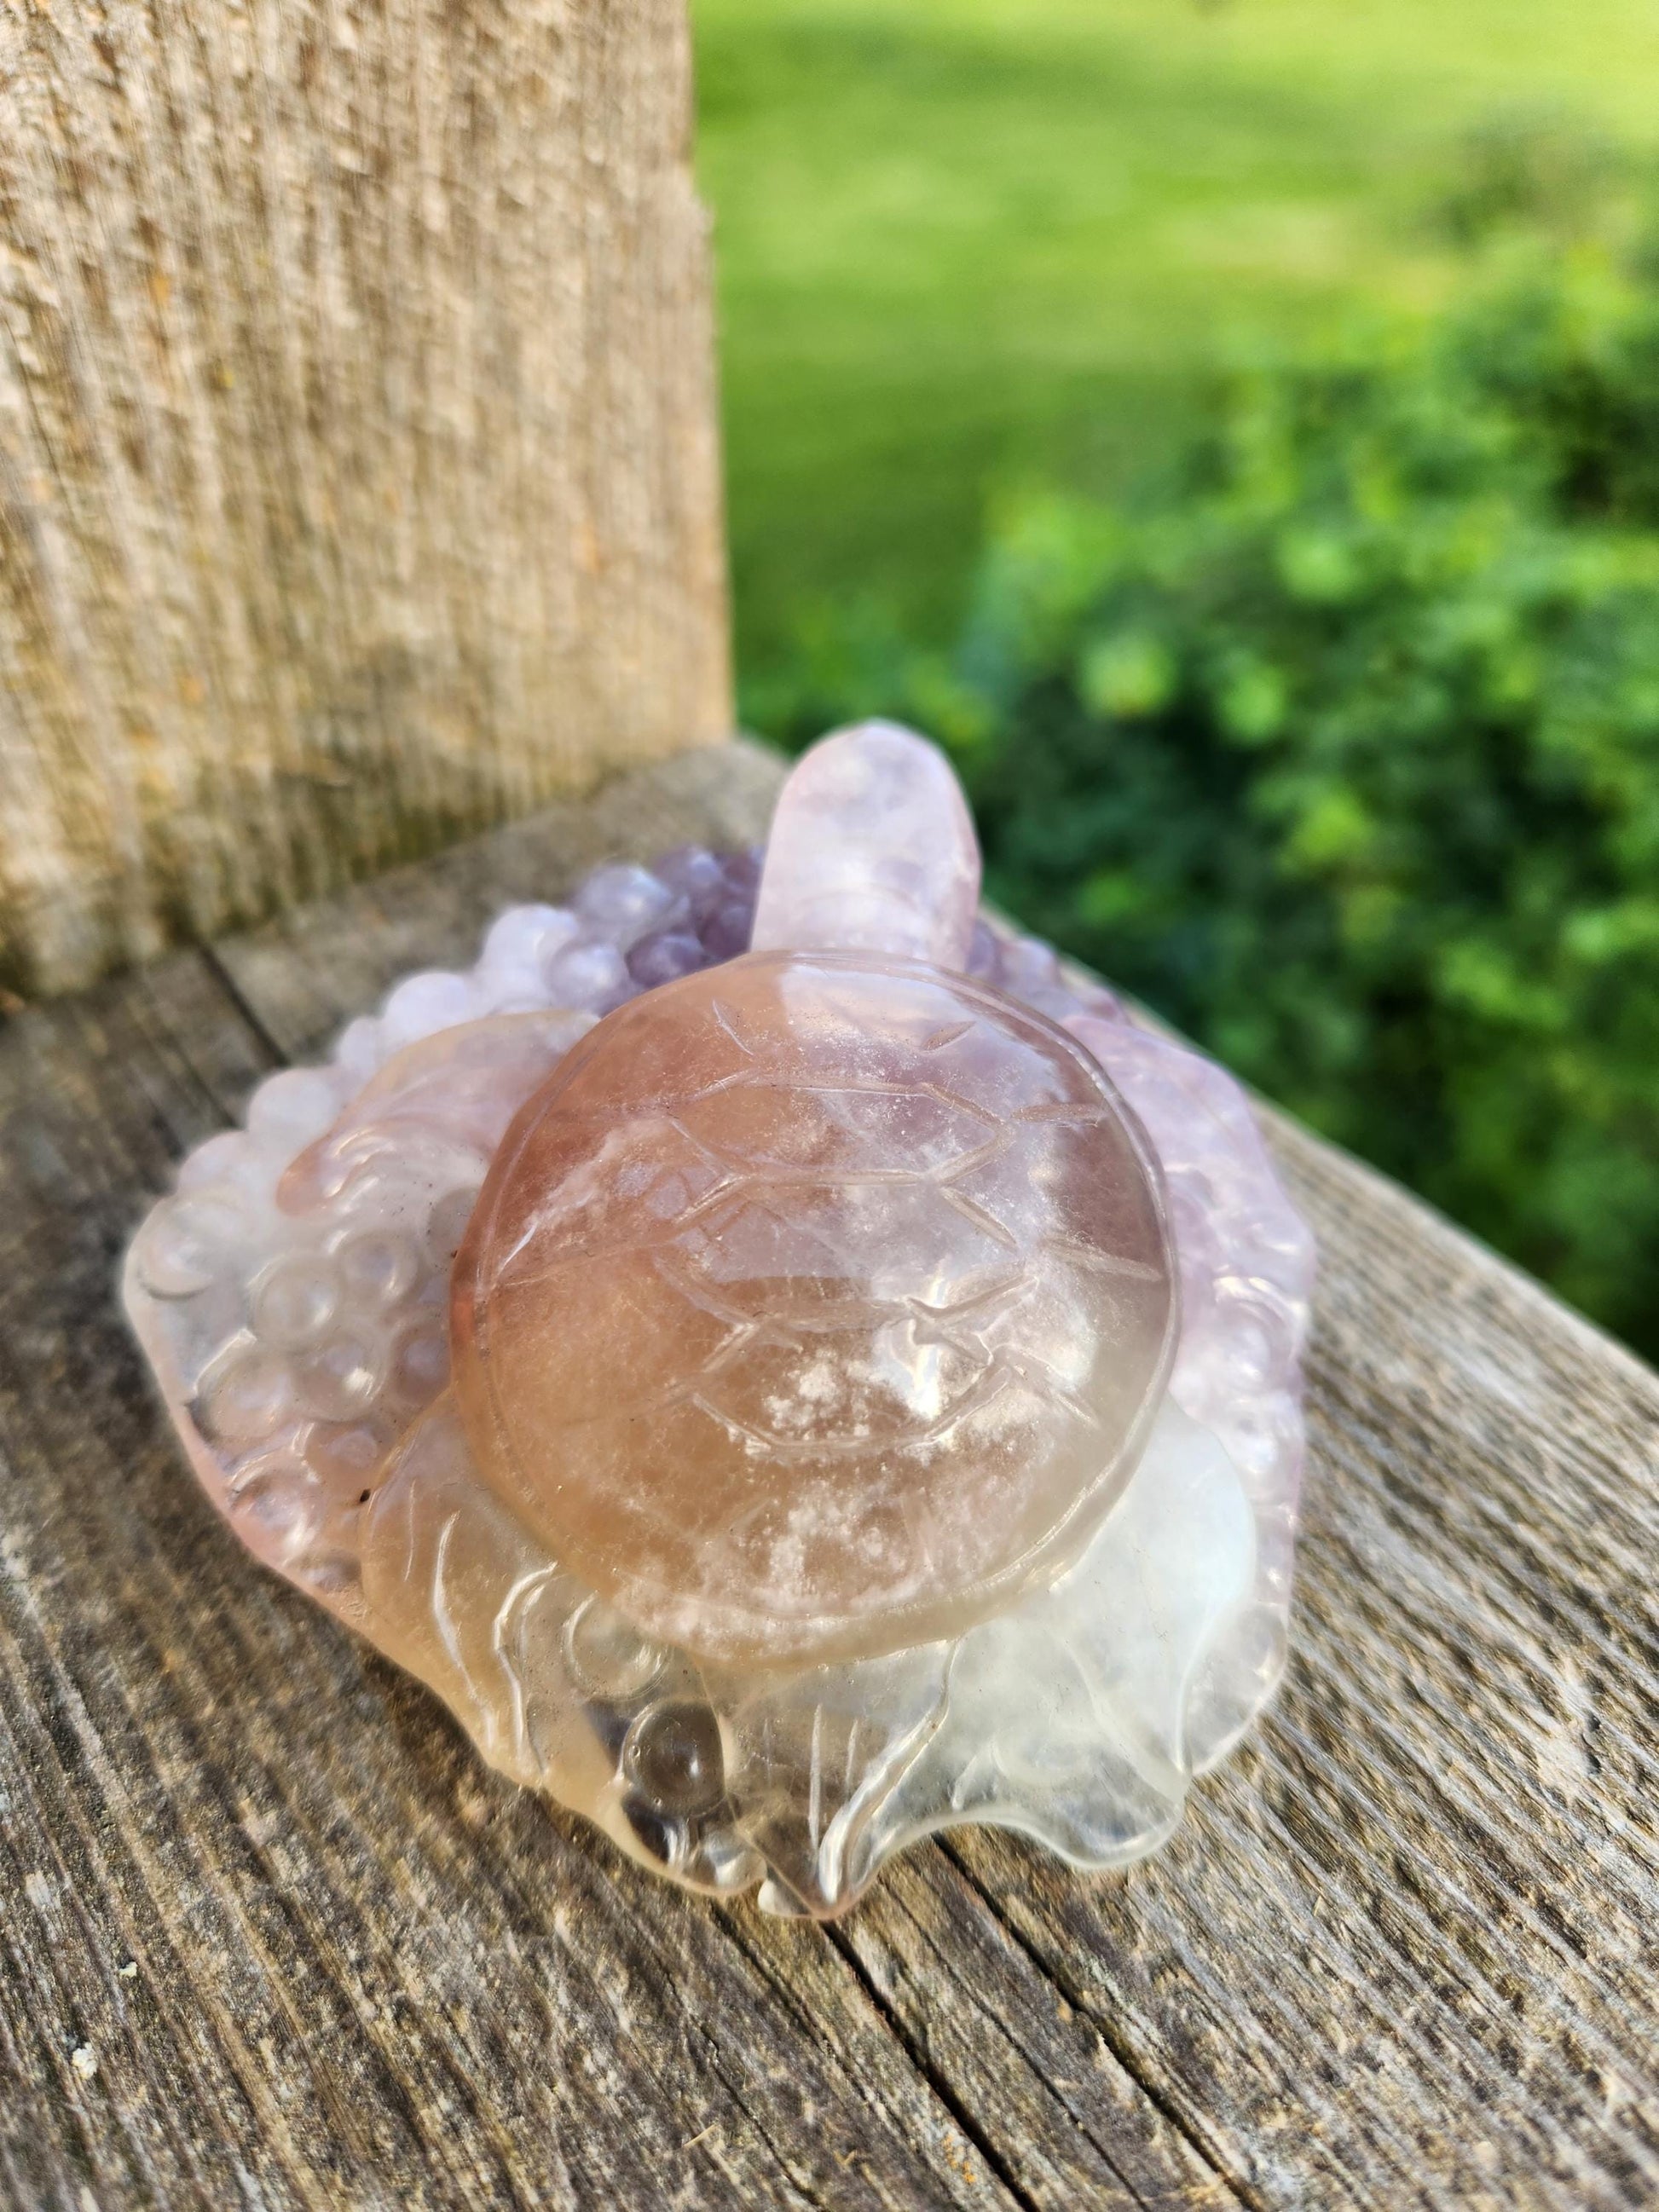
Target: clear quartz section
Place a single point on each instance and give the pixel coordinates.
(1064, 1674)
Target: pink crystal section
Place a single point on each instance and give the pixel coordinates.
(876, 1361)
(816, 1307)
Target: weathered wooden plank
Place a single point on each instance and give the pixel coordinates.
(366, 1972)
(1403, 1951)
(359, 472)
(1069, 2122)
(311, 969)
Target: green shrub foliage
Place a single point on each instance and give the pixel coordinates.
(1344, 754)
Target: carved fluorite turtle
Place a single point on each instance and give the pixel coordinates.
(874, 1399)
(816, 1307)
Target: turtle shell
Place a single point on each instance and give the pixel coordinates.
(816, 1305)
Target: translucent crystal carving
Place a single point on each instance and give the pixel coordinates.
(816, 1308)
(876, 1398)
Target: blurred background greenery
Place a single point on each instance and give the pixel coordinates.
(1233, 426)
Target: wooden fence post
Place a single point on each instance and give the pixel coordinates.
(359, 472)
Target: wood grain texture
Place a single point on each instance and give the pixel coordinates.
(359, 482)
(269, 1936)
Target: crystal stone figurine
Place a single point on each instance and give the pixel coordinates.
(792, 1369)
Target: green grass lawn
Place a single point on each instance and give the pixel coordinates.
(965, 242)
